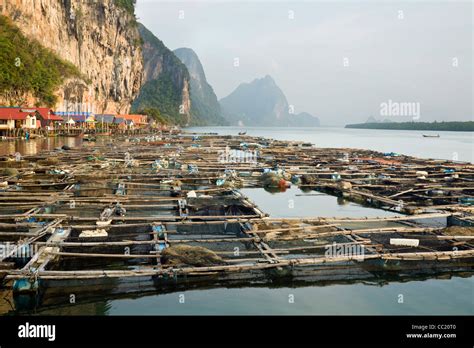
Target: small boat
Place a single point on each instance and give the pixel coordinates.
(431, 135)
(243, 133)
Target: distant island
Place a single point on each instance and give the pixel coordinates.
(456, 126)
(262, 103)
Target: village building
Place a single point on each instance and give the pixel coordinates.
(105, 118)
(120, 124)
(84, 120)
(14, 120)
(134, 121)
(48, 118)
(105, 122)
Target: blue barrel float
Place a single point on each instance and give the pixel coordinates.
(26, 285)
(27, 293)
(159, 229)
(466, 200)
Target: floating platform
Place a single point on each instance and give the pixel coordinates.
(165, 211)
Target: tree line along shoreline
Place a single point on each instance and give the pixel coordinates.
(455, 126)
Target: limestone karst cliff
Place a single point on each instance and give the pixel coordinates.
(166, 86)
(100, 38)
(205, 108)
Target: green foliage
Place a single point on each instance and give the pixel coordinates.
(165, 93)
(79, 14)
(127, 5)
(154, 114)
(204, 115)
(205, 108)
(28, 67)
(137, 42)
(162, 95)
(455, 126)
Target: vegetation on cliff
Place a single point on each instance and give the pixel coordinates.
(26, 67)
(166, 80)
(163, 97)
(155, 115)
(128, 5)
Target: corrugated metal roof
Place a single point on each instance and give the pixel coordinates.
(106, 118)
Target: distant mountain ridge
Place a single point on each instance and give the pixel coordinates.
(205, 108)
(262, 103)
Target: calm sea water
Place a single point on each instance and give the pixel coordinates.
(33, 146)
(458, 146)
(444, 294)
(420, 297)
(296, 203)
(450, 145)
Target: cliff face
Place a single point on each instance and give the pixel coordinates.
(100, 38)
(167, 86)
(205, 108)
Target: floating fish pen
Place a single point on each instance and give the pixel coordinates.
(165, 212)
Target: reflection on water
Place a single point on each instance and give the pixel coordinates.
(432, 296)
(422, 296)
(34, 146)
(297, 203)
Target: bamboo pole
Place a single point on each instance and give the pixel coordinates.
(88, 274)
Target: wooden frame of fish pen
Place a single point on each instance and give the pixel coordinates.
(167, 209)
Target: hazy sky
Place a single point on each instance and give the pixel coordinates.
(337, 60)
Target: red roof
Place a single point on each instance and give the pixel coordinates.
(48, 114)
(22, 113)
(136, 119)
(15, 113)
